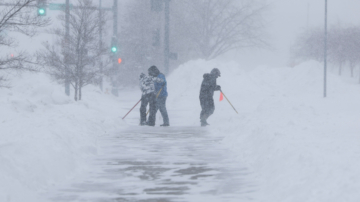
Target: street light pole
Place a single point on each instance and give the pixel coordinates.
(166, 37)
(115, 32)
(67, 33)
(325, 49)
(100, 44)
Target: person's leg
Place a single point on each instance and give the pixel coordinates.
(211, 107)
(161, 105)
(144, 102)
(208, 109)
(152, 116)
(203, 114)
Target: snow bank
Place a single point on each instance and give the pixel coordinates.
(301, 146)
(45, 136)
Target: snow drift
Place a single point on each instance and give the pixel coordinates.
(299, 145)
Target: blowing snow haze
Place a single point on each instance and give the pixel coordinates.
(74, 124)
(286, 19)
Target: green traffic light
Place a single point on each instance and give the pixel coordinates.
(41, 11)
(113, 49)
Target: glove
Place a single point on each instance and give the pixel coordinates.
(218, 87)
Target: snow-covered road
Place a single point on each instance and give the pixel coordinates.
(162, 164)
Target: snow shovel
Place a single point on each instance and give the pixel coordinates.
(229, 101)
(131, 109)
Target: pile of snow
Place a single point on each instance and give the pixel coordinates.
(47, 137)
(301, 146)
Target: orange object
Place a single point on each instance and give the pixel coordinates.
(119, 60)
(221, 96)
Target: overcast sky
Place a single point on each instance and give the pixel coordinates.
(287, 18)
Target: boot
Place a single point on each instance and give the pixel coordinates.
(165, 125)
(150, 124)
(204, 123)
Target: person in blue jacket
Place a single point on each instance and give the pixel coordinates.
(162, 88)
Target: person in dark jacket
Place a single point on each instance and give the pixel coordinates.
(161, 89)
(147, 86)
(208, 86)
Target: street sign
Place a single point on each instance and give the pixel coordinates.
(58, 6)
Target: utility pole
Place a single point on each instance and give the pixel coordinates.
(100, 45)
(67, 34)
(307, 20)
(167, 36)
(115, 31)
(325, 49)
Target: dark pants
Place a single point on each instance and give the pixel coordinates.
(208, 108)
(145, 100)
(161, 105)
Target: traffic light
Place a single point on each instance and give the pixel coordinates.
(114, 45)
(41, 7)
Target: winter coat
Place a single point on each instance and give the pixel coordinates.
(208, 86)
(161, 85)
(147, 83)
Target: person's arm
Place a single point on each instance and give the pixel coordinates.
(214, 86)
(158, 80)
(142, 81)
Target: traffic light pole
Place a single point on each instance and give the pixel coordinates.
(100, 45)
(67, 34)
(114, 59)
(167, 36)
(325, 49)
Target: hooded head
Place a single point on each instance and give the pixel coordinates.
(215, 72)
(153, 71)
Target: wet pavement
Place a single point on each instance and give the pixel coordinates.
(155, 164)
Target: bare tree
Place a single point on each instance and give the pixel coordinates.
(337, 47)
(217, 27)
(352, 47)
(309, 45)
(17, 16)
(77, 56)
(343, 46)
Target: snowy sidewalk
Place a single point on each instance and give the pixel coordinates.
(162, 164)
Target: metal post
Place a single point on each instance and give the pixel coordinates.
(307, 20)
(100, 44)
(115, 17)
(166, 37)
(325, 49)
(115, 31)
(67, 19)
